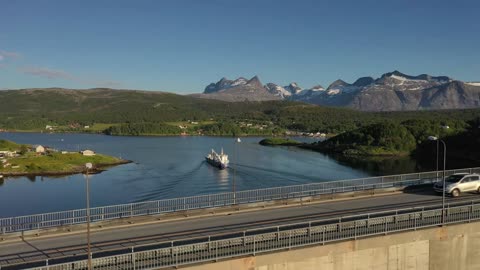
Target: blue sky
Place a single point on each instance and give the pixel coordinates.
(181, 46)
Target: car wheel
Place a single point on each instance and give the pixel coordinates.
(455, 193)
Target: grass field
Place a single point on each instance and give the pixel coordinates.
(8, 145)
(50, 163)
(56, 163)
(100, 127)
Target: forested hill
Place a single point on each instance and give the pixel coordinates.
(31, 109)
(101, 105)
(62, 106)
(34, 109)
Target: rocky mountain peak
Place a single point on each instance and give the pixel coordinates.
(211, 88)
(395, 73)
(239, 81)
(225, 83)
(422, 77)
(439, 79)
(293, 88)
(338, 83)
(364, 81)
(317, 87)
(242, 89)
(277, 90)
(255, 82)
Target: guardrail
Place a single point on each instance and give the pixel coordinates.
(281, 238)
(78, 216)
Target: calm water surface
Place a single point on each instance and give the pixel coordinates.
(164, 167)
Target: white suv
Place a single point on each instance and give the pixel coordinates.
(458, 183)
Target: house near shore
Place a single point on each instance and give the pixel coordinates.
(39, 149)
(87, 153)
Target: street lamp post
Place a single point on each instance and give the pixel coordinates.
(437, 160)
(433, 138)
(88, 166)
(235, 156)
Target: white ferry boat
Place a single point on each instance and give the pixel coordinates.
(218, 160)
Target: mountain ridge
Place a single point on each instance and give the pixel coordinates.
(392, 91)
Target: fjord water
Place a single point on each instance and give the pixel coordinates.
(163, 167)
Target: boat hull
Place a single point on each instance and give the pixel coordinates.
(217, 164)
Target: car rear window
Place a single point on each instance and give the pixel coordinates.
(454, 178)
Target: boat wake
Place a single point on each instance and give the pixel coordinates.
(170, 186)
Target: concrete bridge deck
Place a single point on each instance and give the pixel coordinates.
(15, 252)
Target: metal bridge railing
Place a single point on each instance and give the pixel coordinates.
(281, 238)
(78, 216)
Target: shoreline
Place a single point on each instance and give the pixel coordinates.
(99, 168)
(166, 135)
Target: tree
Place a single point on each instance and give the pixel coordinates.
(23, 149)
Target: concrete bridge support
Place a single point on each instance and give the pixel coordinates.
(455, 247)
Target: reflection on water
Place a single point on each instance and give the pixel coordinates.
(164, 167)
(222, 176)
(382, 165)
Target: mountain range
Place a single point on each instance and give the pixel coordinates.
(393, 91)
(240, 89)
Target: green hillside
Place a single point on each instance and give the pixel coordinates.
(6, 145)
(131, 112)
(373, 140)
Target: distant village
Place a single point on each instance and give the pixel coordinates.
(72, 126)
(185, 129)
(258, 126)
(306, 134)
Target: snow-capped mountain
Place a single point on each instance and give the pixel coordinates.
(401, 82)
(278, 90)
(340, 87)
(395, 91)
(293, 88)
(224, 83)
(391, 92)
(293, 91)
(241, 89)
(307, 94)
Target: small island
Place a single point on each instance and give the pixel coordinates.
(37, 160)
(280, 142)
